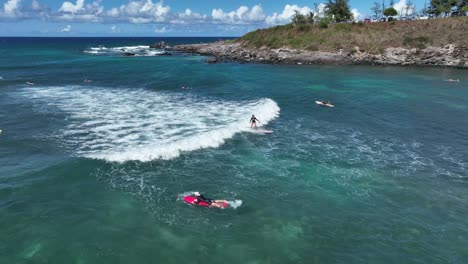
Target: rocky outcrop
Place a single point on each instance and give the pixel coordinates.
(447, 56)
(226, 52)
(158, 45)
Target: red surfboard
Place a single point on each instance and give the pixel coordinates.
(191, 199)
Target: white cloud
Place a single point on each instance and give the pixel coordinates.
(403, 9)
(356, 15)
(243, 15)
(68, 28)
(35, 5)
(80, 12)
(94, 8)
(114, 12)
(161, 30)
(141, 12)
(78, 18)
(11, 8)
(139, 20)
(114, 29)
(188, 17)
(69, 7)
(256, 14)
(285, 16)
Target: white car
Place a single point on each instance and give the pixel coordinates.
(423, 17)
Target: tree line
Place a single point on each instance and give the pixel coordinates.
(339, 11)
(335, 10)
(435, 7)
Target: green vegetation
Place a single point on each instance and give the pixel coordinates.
(416, 42)
(445, 6)
(339, 9)
(298, 19)
(369, 37)
(390, 12)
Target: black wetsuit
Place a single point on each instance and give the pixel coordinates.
(202, 198)
(253, 119)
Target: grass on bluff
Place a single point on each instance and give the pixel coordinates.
(369, 37)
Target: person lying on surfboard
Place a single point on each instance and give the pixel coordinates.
(213, 203)
(253, 123)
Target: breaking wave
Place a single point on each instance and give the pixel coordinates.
(141, 125)
(144, 51)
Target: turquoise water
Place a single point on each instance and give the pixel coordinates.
(94, 172)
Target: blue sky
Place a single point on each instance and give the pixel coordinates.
(157, 18)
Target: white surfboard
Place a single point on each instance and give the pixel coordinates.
(321, 103)
(262, 131)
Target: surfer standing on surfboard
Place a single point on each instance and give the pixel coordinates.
(253, 123)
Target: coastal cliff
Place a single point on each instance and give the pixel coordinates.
(442, 42)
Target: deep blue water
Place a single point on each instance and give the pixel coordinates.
(98, 149)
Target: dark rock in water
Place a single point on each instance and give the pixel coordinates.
(128, 54)
(165, 53)
(212, 60)
(158, 45)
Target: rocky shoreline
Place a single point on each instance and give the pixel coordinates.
(447, 56)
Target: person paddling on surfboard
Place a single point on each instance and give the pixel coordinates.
(253, 122)
(213, 203)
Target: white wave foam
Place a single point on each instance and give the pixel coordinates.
(141, 125)
(117, 51)
(235, 204)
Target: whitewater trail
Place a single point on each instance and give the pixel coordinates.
(121, 125)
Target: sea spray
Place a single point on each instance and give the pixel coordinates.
(235, 204)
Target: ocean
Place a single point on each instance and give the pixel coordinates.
(98, 149)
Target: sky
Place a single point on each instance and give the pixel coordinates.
(159, 18)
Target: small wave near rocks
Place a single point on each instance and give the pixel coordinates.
(137, 51)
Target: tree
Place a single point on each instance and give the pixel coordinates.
(462, 5)
(376, 9)
(383, 6)
(442, 6)
(320, 11)
(409, 7)
(298, 18)
(339, 9)
(310, 18)
(424, 10)
(390, 12)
